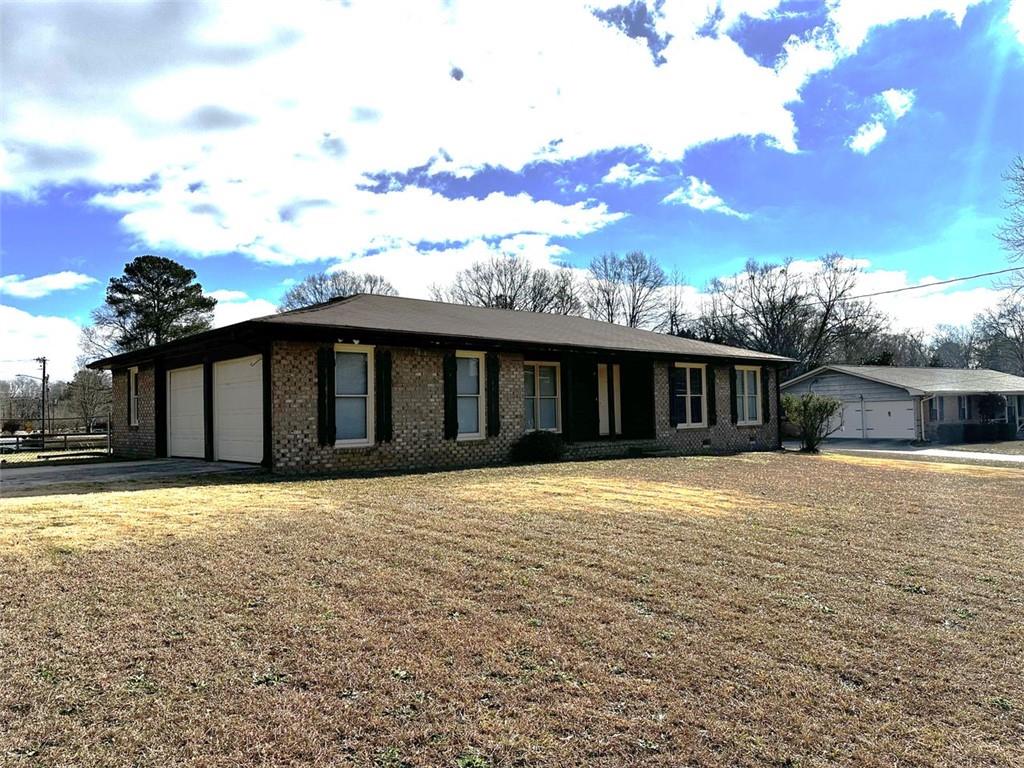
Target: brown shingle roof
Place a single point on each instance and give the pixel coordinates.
(433, 318)
(963, 381)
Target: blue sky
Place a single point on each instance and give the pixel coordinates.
(258, 147)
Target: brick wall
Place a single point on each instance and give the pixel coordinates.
(723, 437)
(417, 416)
(137, 442)
(418, 419)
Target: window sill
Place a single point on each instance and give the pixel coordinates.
(353, 444)
(552, 431)
(469, 438)
(749, 424)
(691, 426)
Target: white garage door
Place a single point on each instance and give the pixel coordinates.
(881, 420)
(185, 435)
(890, 419)
(238, 409)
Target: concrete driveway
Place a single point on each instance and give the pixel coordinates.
(906, 448)
(35, 479)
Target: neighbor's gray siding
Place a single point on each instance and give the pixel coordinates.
(843, 386)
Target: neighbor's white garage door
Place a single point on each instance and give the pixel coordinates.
(185, 435)
(881, 420)
(238, 409)
(890, 419)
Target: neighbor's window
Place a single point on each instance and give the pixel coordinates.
(688, 392)
(748, 394)
(469, 378)
(133, 396)
(541, 393)
(963, 407)
(353, 394)
(937, 409)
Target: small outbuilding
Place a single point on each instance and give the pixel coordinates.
(892, 403)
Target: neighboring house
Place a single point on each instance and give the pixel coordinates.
(909, 403)
(382, 383)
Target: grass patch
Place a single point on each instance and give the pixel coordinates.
(766, 609)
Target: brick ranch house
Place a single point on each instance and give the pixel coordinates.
(374, 382)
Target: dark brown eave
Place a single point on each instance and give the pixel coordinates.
(251, 336)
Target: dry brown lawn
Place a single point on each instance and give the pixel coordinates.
(764, 609)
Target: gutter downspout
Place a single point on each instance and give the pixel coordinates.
(924, 437)
(863, 420)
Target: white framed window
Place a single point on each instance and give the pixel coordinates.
(469, 388)
(353, 394)
(133, 397)
(748, 394)
(690, 396)
(937, 409)
(963, 408)
(542, 396)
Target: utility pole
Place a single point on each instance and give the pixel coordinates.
(42, 405)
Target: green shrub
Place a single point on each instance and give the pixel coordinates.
(813, 416)
(537, 447)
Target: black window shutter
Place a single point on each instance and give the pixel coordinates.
(712, 408)
(493, 371)
(449, 373)
(765, 410)
(129, 398)
(675, 386)
(382, 395)
(325, 395)
(733, 413)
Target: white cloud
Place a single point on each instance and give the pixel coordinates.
(412, 270)
(225, 295)
(254, 127)
(1015, 18)
(35, 287)
(628, 175)
(698, 194)
(853, 20)
(898, 101)
(867, 137)
(893, 104)
(236, 306)
(24, 336)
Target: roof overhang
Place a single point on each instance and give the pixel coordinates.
(263, 330)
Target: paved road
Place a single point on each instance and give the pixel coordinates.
(905, 448)
(22, 479)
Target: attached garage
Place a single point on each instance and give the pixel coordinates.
(238, 409)
(185, 413)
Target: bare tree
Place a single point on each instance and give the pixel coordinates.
(502, 282)
(567, 293)
(89, 395)
(674, 317)
(904, 348)
(325, 286)
(642, 282)
(1011, 233)
(98, 340)
(954, 347)
(604, 288)
(811, 317)
(1001, 336)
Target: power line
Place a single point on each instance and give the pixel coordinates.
(932, 284)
